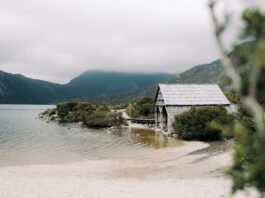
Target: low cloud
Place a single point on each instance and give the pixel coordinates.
(56, 40)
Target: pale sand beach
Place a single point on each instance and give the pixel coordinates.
(187, 171)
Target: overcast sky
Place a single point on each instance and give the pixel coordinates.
(56, 40)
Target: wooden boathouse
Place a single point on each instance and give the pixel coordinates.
(172, 99)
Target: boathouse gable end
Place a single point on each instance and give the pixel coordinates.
(172, 99)
(159, 99)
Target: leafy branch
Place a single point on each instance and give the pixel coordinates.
(249, 100)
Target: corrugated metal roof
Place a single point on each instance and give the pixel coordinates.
(193, 94)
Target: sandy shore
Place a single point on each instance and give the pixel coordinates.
(187, 171)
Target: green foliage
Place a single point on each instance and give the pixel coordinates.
(144, 108)
(63, 109)
(231, 96)
(100, 119)
(254, 24)
(130, 109)
(249, 153)
(248, 167)
(120, 106)
(115, 119)
(195, 123)
(96, 120)
(91, 115)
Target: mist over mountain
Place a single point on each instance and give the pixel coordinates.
(112, 86)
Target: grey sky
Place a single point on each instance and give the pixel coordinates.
(56, 40)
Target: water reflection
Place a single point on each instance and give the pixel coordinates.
(152, 138)
(27, 140)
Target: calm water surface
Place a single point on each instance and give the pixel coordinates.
(26, 139)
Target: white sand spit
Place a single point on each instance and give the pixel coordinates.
(172, 172)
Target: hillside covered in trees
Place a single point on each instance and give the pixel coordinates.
(91, 85)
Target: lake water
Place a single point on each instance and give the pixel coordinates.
(26, 139)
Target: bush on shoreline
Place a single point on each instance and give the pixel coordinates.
(91, 115)
(195, 124)
(144, 108)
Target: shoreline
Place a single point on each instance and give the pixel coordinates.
(169, 172)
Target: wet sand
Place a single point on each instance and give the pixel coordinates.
(193, 170)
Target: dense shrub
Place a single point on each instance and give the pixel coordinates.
(144, 108)
(247, 148)
(63, 109)
(120, 106)
(96, 119)
(231, 96)
(91, 115)
(115, 119)
(101, 119)
(84, 106)
(130, 109)
(195, 123)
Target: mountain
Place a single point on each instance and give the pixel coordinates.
(113, 86)
(18, 89)
(104, 83)
(130, 96)
(211, 73)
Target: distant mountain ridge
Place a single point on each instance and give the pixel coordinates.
(102, 83)
(210, 73)
(18, 89)
(113, 86)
